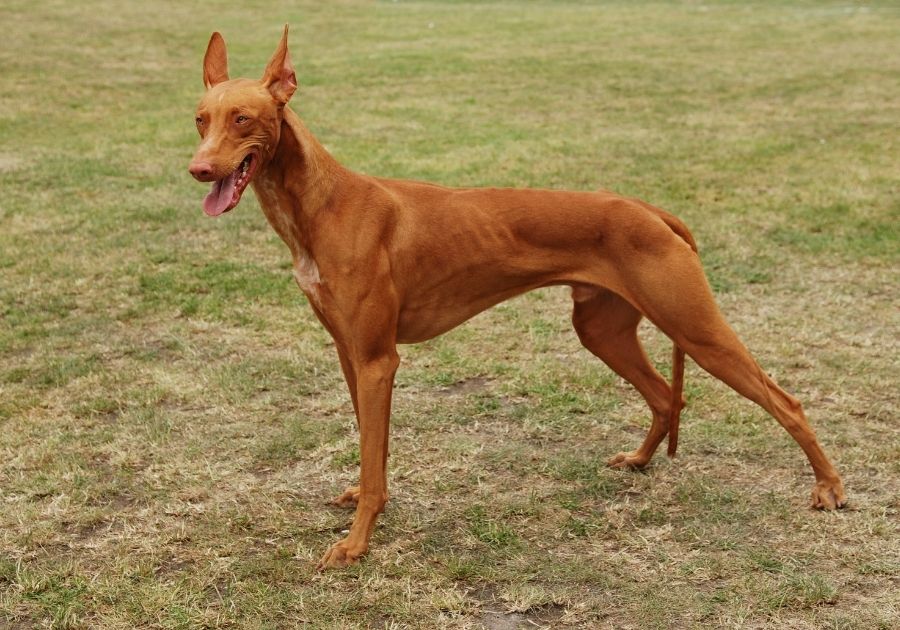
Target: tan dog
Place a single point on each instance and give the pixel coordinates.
(387, 261)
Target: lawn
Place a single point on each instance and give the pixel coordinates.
(173, 418)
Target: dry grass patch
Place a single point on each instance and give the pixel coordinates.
(173, 419)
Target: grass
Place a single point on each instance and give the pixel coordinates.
(173, 417)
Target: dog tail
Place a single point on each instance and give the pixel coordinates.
(675, 224)
(677, 401)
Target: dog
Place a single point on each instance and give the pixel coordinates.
(389, 261)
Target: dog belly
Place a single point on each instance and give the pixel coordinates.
(421, 324)
(432, 314)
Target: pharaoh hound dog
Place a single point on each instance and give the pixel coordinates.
(389, 261)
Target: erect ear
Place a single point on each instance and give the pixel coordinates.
(279, 76)
(215, 63)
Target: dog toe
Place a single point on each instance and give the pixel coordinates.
(828, 495)
(348, 499)
(339, 556)
(627, 460)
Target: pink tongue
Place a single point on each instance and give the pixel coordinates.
(219, 198)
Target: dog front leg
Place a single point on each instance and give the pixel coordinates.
(374, 382)
(349, 498)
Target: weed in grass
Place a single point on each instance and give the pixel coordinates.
(589, 476)
(59, 595)
(710, 502)
(350, 457)
(298, 436)
(767, 562)
(466, 569)
(493, 532)
(578, 526)
(802, 590)
(100, 406)
(651, 517)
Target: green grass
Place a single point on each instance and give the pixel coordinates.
(173, 416)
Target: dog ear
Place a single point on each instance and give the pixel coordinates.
(279, 76)
(215, 62)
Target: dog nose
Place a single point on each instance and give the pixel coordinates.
(202, 171)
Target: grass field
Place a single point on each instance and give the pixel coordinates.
(173, 419)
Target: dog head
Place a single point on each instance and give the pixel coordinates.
(239, 121)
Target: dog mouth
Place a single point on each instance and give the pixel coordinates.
(226, 193)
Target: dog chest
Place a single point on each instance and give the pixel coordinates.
(306, 273)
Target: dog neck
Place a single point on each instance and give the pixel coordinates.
(296, 184)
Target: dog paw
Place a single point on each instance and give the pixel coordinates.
(828, 495)
(342, 554)
(634, 459)
(348, 499)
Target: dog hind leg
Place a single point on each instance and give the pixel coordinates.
(607, 326)
(672, 292)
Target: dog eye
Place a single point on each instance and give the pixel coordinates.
(198, 120)
(241, 119)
